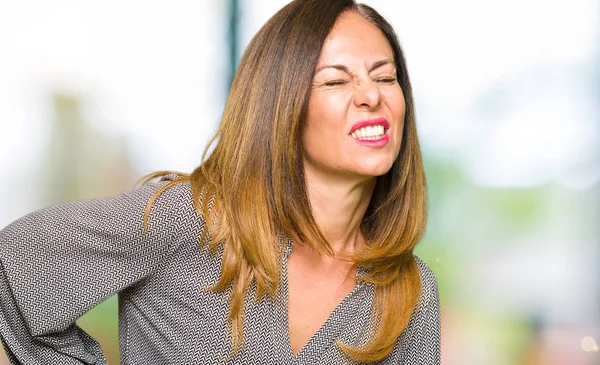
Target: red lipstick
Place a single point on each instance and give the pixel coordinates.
(368, 141)
(369, 123)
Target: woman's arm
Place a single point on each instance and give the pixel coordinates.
(57, 263)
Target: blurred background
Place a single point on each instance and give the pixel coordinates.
(95, 94)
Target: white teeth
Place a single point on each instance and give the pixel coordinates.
(370, 132)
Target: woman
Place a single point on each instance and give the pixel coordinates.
(291, 244)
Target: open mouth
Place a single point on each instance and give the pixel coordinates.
(369, 132)
(370, 129)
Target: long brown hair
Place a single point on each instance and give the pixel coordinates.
(251, 190)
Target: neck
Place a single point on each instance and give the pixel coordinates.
(338, 206)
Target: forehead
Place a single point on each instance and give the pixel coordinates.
(354, 39)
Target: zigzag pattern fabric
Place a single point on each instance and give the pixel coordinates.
(58, 262)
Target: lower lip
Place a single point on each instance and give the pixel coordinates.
(380, 142)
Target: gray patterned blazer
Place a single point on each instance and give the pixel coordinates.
(57, 263)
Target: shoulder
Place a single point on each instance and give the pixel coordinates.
(166, 193)
(175, 191)
(167, 199)
(429, 285)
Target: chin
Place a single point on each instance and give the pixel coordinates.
(376, 170)
(376, 165)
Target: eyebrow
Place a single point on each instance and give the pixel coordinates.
(345, 69)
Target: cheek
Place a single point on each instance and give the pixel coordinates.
(315, 127)
(326, 116)
(400, 112)
(397, 108)
(396, 103)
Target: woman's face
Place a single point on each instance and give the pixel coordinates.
(356, 106)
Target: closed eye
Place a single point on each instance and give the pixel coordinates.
(335, 82)
(386, 80)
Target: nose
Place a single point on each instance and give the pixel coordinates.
(367, 94)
